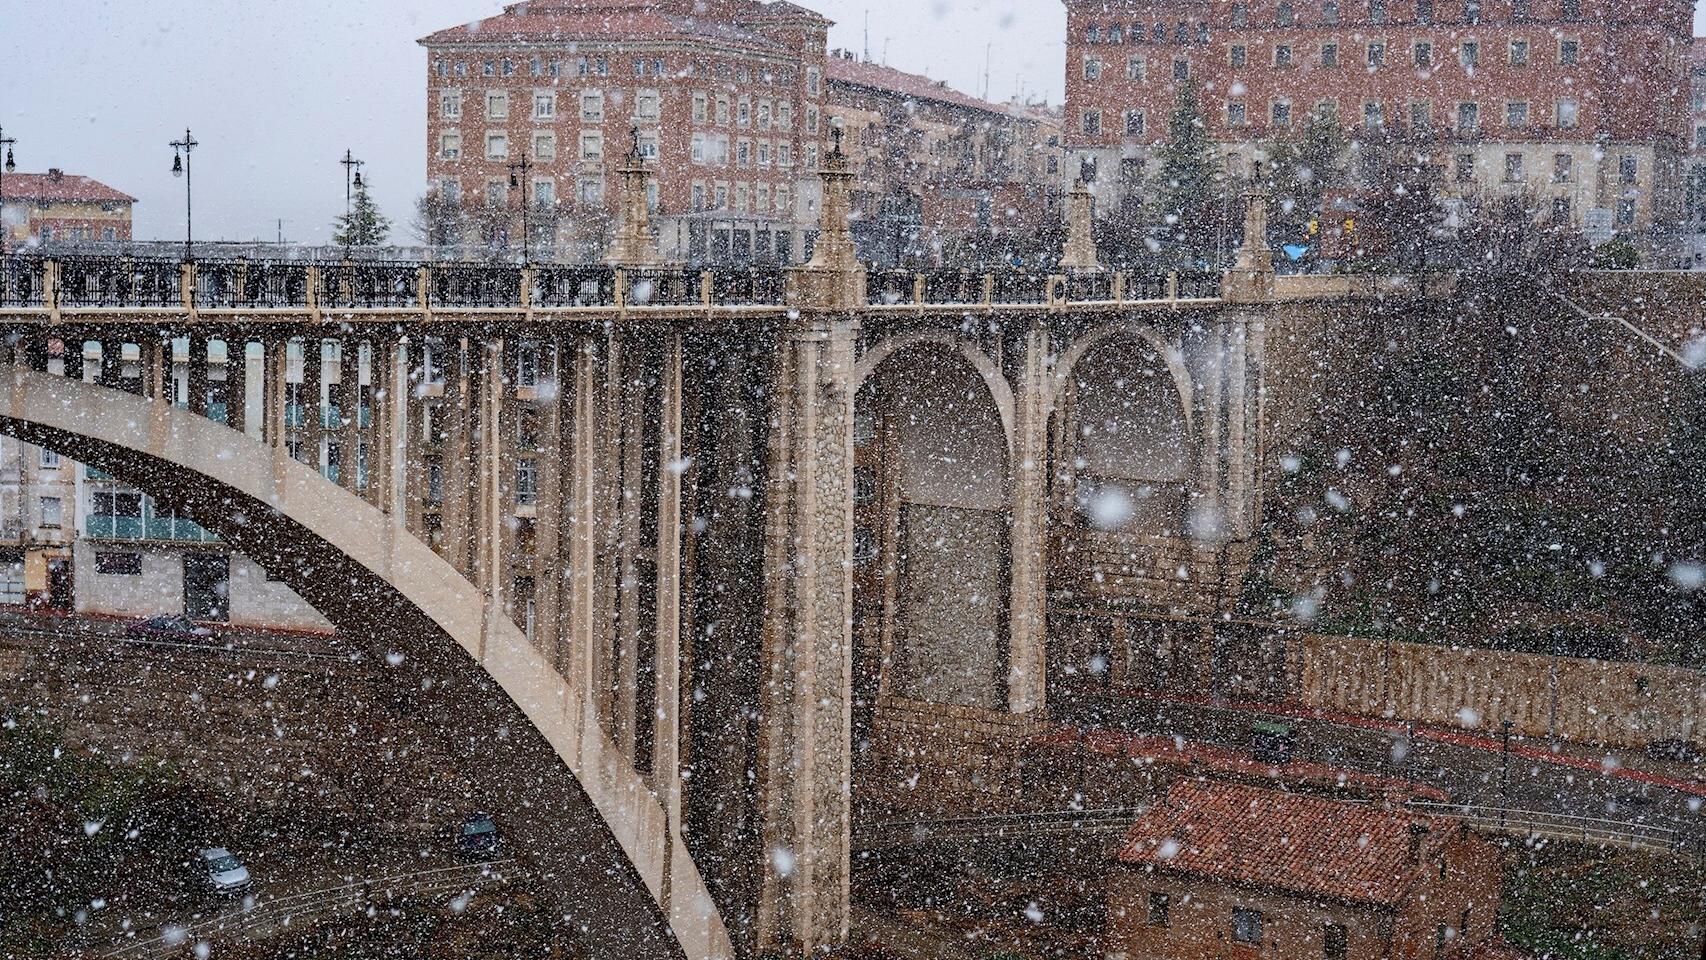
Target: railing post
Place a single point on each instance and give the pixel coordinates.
(989, 289)
(423, 289)
(186, 285)
(1119, 287)
(528, 273)
(314, 292)
(917, 289)
(621, 288)
(50, 288)
(706, 281)
(1055, 291)
(1172, 284)
(346, 284)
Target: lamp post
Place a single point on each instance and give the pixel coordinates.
(181, 150)
(520, 168)
(350, 164)
(5, 168)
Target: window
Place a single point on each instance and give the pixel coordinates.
(1134, 123)
(785, 115)
(435, 483)
(49, 459)
(508, 67)
(698, 148)
(1373, 116)
(1246, 925)
(119, 564)
(1468, 118)
(1625, 212)
(784, 199)
(1235, 114)
(497, 105)
(1377, 11)
(646, 105)
(544, 147)
(1569, 114)
(1091, 123)
(1283, 15)
(1628, 169)
(1282, 55)
(1516, 114)
(1092, 69)
(1469, 54)
(1377, 54)
(591, 191)
(545, 193)
(1133, 170)
(592, 145)
(701, 107)
(1327, 111)
(1424, 54)
(1569, 52)
(1519, 53)
(1472, 10)
(698, 196)
(450, 104)
(109, 234)
(1329, 54)
(544, 106)
(1563, 168)
(1181, 70)
(1093, 34)
(526, 483)
(1238, 56)
(764, 111)
(1421, 115)
(1240, 15)
(1335, 941)
(1572, 9)
(1160, 905)
(1137, 69)
(52, 511)
(1281, 114)
(497, 146)
(592, 106)
(1465, 167)
(814, 81)
(1700, 138)
(743, 153)
(1513, 168)
(489, 68)
(784, 154)
(1424, 11)
(1330, 13)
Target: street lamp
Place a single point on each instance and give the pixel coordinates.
(5, 168)
(350, 164)
(521, 167)
(181, 150)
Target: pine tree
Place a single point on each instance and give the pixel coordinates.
(364, 225)
(1189, 190)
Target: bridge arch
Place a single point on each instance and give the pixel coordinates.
(383, 587)
(1000, 391)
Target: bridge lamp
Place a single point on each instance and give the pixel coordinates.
(177, 164)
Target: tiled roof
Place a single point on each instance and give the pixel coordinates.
(62, 187)
(1279, 841)
(878, 77)
(607, 21)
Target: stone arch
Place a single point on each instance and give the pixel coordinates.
(1000, 391)
(1173, 356)
(600, 825)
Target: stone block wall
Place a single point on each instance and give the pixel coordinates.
(931, 759)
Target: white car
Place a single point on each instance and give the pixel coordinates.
(225, 873)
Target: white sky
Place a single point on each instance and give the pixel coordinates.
(275, 90)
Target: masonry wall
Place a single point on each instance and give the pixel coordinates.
(1200, 921)
(929, 759)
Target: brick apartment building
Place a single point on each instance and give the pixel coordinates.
(936, 166)
(727, 98)
(1582, 102)
(1226, 870)
(59, 207)
(1693, 246)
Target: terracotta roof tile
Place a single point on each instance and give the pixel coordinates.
(1280, 841)
(606, 21)
(65, 187)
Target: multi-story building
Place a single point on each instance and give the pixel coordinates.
(57, 207)
(1693, 216)
(1581, 103)
(938, 168)
(1226, 870)
(38, 497)
(724, 97)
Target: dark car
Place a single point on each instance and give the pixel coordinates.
(1272, 742)
(1675, 749)
(478, 836)
(179, 629)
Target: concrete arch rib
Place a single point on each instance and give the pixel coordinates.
(1000, 391)
(381, 585)
(1170, 354)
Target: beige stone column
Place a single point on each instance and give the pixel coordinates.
(666, 735)
(312, 394)
(349, 430)
(553, 393)
(275, 360)
(1027, 663)
(489, 484)
(631, 454)
(459, 495)
(586, 617)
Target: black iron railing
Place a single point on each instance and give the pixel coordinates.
(1146, 286)
(115, 282)
(475, 285)
(747, 286)
(21, 282)
(369, 284)
(272, 284)
(1087, 287)
(887, 287)
(664, 288)
(1199, 285)
(1017, 287)
(585, 286)
(953, 286)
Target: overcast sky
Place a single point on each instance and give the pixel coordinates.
(275, 90)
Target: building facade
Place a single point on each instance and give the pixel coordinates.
(1581, 103)
(940, 175)
(1692, 255)
(55, 206)
(725, 98)
(1225, 870)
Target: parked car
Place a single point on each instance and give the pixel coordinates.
(1272, 742)
(478, 837)
(1676, 749)
(177, 628)
(224, 871)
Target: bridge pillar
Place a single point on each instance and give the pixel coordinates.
(1027, 651)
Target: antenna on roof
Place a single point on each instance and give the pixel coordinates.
(986, 48)
(867, 35)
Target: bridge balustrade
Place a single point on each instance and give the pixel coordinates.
(21, 282)
(1199, 284)
(1145, 286)
(747, 286)
(118, 282)
(475, 285)
(579, 286)
(370, 284)
(1089, 287)
(665, 288)
(272, 284)
(1018, 286)
(953, 286)
(890, 286)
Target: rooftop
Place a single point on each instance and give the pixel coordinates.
(1280, 841)
(57, 185)
(615, 21)
(844, 67)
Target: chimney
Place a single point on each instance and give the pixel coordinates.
(55, 174)
(1418, 837)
